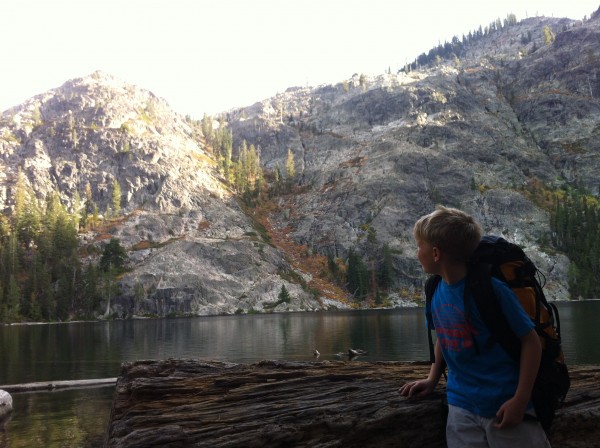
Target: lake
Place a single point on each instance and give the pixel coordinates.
(86, 350)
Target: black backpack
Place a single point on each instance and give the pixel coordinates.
(506, 261)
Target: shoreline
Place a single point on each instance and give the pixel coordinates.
(12, 324)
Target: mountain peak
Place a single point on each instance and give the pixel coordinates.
(495, 132)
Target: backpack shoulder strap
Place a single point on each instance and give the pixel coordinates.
(430, 285)
(479, 285)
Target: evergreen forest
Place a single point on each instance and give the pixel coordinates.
(575, 225)
(42, 277)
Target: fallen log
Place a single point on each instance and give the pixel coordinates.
(53, 385)
(195, 403)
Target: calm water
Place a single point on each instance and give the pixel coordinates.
(78, 418)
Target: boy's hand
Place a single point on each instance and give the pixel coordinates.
(510, 413)
(419, 388)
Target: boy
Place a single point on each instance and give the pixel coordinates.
(488, 393)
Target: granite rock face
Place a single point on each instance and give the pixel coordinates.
(376, 155)
(371, 156)
(191, 246)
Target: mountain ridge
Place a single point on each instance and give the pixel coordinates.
(371, 155)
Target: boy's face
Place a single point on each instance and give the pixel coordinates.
(427, 255)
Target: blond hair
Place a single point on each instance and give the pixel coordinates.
(452, 231)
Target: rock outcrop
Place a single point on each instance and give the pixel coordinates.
(376, 153)
(6, 404)
(192, 248)
(6, 407)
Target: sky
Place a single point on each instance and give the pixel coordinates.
(210, 56)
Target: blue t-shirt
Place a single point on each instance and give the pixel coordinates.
(478, 382)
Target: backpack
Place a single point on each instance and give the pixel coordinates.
(494, 256)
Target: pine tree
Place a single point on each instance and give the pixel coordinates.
(88, 207)
(241, 174)
(362, 81)
(31, 304)
(109, 287)
(95, 215)
(386, 272)
(284, 295)
(548, 35)
(13, 300)
(239, 178)
(65, 264)
(27, 218)
(113, 256)
(226, 153)
(47, 304)
(116, 198)
(35, 311)
(52, 211)
(3, 306)
(357, 276)
(277, 178)
(207, 128)
(13, 256)
(20, 197)
(378, 298)
(139, 293)
(254, 169)
(77, 210)
(332, 265)
(290, 169)
(63, 297)
(91, 288)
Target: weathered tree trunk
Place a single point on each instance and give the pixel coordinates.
(52, 385)
(577, 424)
(187, 403)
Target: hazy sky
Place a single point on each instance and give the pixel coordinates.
(210, 56)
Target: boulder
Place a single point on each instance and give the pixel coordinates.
(6, 404)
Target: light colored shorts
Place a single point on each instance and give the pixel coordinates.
(465, 429)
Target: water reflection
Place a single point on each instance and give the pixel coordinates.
(97, 349)
(70, 418)
(580, 331)
(282, 336)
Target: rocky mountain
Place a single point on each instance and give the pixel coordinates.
(515, 110)
(191, 246)
(518, 110)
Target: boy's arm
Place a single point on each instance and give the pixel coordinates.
(424, 387)
(511, 412)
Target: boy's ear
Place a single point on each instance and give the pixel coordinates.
(437, 254)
